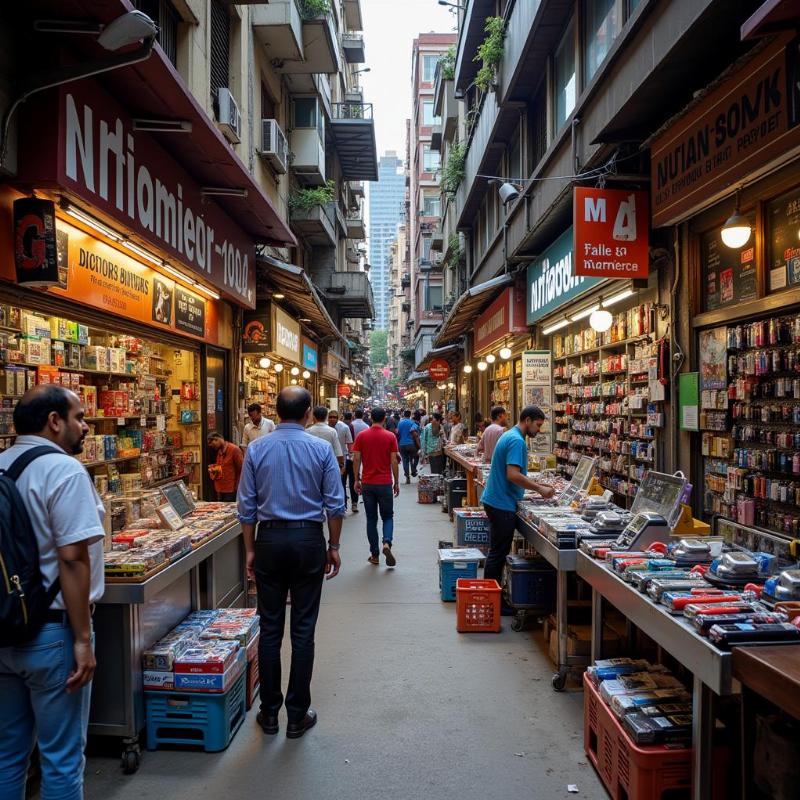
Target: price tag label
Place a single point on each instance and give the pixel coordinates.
(143, 421)
(120, 421)
(160, 422)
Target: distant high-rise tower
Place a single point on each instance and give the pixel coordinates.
(386, 198)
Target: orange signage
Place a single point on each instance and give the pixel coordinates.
(343, 390)
(439, 369)
(612, 232)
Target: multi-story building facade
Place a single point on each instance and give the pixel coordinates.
(386, 210)
(424, 211)
(399, 303)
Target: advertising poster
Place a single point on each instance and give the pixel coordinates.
(537, 390)
(713, 359)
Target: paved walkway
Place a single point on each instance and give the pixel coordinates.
(408, 708)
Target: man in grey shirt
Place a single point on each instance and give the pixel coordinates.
(322, 430)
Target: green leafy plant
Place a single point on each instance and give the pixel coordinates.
(453, 170)
(448, 64)
(311, 9)
(306, 199)
(490, 52)
(455, 253)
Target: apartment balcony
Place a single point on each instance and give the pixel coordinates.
(354, 131)
(352, 15)
(405, 281)
(437, 242)
(357, 188)
(279, 27)
(436, 138)
(320, 46)
(315, 225)
(470, 37)
(308, 150)
(355, 226)
(351, 292)
(352, 255)
(353, 47)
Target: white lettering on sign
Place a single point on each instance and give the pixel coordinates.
(594, 209)
(289, 339)
(555, 280)
(154, 205)
(496, 321)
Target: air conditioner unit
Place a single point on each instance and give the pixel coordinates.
(274, 147)
(228, 116)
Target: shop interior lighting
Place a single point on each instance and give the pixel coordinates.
(556, 326)
(205, 290)
(295, 370)
(736, 231)
(587, 312)
(482, 366)
(468, 368)
(306, 374)
(600, 320)
(92, 223)
(264, 363)
(303, 319)
(491, 358)
(505, 353)
(617, 298)
(141, 253)
(294, 381)
(176, 273)
(278, 296)
(279, 367)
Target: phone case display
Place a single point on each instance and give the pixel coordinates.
(261, 386)
(608, 399)
(750, 417)
(500, 385)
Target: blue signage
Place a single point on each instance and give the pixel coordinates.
(309, 357)
(551, 282)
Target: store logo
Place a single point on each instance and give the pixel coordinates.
(556, 280)
(286, 338)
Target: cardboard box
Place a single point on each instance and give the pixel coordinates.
(579, 643)
(207, 658)
(95, 358)
(212, 682)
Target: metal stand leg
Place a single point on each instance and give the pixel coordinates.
(562, 628)
(702, 739)
(597, 625)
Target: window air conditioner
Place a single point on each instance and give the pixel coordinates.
(274, 147)
(228, 116)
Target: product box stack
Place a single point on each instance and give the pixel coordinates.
(429, 488)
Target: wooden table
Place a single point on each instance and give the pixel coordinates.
(470, 468)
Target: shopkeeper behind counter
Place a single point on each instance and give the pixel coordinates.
(226, 471)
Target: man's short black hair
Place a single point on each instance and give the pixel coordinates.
(320, 413)
(497, 412)
(214, 435)
(359, 413)
(407, 413)
(35, 406)
(417, 415)
(254, 407)
(293, 403)
(456, 414)
(532, 413)
(348, 415)
(437, 415)
(378, 414)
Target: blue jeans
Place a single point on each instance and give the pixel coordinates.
(35, 707)
(377, 496)
(408, 452)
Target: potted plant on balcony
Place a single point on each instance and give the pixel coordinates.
(448, 64)
(490, 53)
(303, 200)
(453, 170)
(311, 9)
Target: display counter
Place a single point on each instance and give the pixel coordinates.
(132, 615)
(471, 466)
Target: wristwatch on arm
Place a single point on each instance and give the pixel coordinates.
(332, 546)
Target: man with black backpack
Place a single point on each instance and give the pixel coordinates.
(51, 547)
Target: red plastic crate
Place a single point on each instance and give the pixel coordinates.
(477, 606)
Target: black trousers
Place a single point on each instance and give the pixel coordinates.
(226, 497)
(502, 525)
(288, 560)
(349, 477)
(437, 464)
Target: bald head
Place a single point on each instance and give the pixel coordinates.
(293, 404)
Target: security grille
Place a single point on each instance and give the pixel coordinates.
(220, 46)
(163, 13)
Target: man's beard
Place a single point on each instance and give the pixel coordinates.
(77, 447)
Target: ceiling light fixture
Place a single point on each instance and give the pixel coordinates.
(264, 363)
(279, 367)
(295, 370)
(467, 368)
(278, 296)
(482, 366)
(616, 298)
(600, 320)
(491, 358)
(737, 230)
(210, 292)
(91, 222)
(505, 353)
(587, 312)
(556, 326)
(306, 374)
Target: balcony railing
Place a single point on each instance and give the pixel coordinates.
(352, 109)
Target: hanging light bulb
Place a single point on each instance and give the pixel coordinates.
(467, 368)
(490, 359)
(295, 370)
(264, 363)
(600, 320)
(505, 353)
(737, 229)
(482, 366)
(294, 381)
(279, 368)
(306, 374)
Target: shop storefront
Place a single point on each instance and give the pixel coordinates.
(331, 373)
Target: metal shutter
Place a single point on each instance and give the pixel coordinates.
(220, 46)
(166, 17)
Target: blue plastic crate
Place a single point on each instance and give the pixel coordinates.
(530, 583)
(195, 718)
(450, 572)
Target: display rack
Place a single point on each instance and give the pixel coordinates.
(260, 386)
(500, 384)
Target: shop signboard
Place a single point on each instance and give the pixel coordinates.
(92, 150)
(256, 331)
(332, 365)
(309, 356)
(504, 316)
(343, 390)
(438, 369)
(190, 312)
(537, 390)
(285, 335)
(747, 121)
(612, 232)
(551, 281)
(35, 247)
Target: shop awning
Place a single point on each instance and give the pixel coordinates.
(300, 292)
(468, 306)
(438, 352)
(771, 16)
(418, 377)
(154, 90)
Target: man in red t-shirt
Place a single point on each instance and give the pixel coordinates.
(376, 450)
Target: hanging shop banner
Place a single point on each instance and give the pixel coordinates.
(537, 390)
(309, 356)
(551, 282)
(35, 246)
(256, 331)
(504, 316)
(438, 369)
(343, 390)
(90, 147)
(190, 312)
(749, 119)
(331, 366)
(285, 335)
(612, 232)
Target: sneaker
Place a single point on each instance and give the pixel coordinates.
(413, 474)
(355, 508)
(408, 479)
(389, 555)
(374, 560)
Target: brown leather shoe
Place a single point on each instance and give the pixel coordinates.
(268, 724)
(374, 560)
(391, 561)
(294, 730)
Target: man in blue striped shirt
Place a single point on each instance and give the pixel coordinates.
(290, 482)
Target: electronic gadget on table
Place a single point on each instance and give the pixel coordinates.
(179, 497)
(581, 479)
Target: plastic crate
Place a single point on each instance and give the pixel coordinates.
(455, 564)
(192, 718)
(529, 583)
(472, 528)
(477, 606)
(253, 680)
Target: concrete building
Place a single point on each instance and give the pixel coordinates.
(386, 210)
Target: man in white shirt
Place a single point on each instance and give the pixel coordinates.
(45, 684)
(492, 434)
(322, 430)
(257, 427)
(358, 423)
(346, 441)
(458, 433)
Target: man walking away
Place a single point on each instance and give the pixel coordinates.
(45, 684)
(322, 430)
(458, 433)
(423, 418)
(257, 427)
(492, 434)
(506, 485)
(432, 444)
(391, 421)
(290, 483)
(227, 468)
(408, 440)
(376, 450)
(358, 423)
(346, 442)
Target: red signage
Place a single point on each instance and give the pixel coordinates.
(612, 232)
(439, 369)
(343, 390)
(504, 316)
(35, 252)
(92, 150)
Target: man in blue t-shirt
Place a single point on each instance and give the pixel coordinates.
(506, 485)
(408, 441)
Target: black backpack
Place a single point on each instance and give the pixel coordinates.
(24, 602)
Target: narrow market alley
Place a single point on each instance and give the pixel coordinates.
(408, 707)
